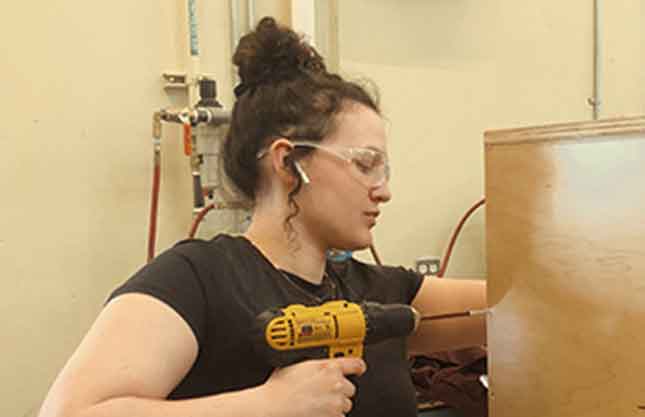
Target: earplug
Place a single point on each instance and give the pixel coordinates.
(302, 173)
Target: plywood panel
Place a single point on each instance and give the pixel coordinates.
(566, 263)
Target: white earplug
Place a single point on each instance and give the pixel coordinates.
(302, 173)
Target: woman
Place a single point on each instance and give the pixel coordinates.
(309, 150)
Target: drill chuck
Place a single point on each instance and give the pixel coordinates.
(385, 321)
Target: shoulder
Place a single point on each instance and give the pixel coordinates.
(221, 243)
(184, 270)
(353, 267)
(221, 250)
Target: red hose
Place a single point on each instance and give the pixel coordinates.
(152, 232)
(453, 239)
(198, 219)
(216, 205)
(377, 259)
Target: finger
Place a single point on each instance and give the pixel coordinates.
(332, 367)
(349, 366)
(347, 405)
(345, 387)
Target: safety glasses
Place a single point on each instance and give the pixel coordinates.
(369, 166)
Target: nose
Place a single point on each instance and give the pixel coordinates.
(381, 193)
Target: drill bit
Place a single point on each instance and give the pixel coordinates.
(453, 315)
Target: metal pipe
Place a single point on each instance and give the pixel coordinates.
(191, 118)
(200, 115)
(192, 28)
(594, 101)
(250, 12)
(235, 36)
(193, 51)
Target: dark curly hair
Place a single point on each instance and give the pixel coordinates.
(285, 91)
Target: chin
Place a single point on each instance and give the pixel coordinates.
(355, 243)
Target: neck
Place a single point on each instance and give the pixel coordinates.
(299, 254)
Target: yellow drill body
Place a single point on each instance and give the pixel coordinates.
(331, 330)
(338, 325)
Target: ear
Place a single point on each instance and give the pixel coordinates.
(278, 154)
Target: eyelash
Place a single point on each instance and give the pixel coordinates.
(365, 168)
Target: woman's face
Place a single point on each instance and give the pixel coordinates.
(348, 181)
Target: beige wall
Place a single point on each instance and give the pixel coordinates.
(623, 67)
(81, 80)
(448, 70)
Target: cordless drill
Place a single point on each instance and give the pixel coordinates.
(334, 329)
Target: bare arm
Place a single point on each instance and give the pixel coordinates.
(139, 349)
(445, 295)
(136, 352)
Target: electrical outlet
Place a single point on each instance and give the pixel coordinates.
(428, 265)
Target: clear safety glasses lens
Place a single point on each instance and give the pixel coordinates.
(370, 165)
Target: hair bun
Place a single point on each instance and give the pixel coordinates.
(274, 53)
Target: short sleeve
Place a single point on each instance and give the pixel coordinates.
(172, 279)
(410, 282)
(382, 283)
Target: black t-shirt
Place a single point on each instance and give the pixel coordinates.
(219, 287)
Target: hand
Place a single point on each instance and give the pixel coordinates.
(316, 388)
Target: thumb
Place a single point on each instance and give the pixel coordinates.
(348, 366)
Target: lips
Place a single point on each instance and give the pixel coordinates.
(372, 215)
